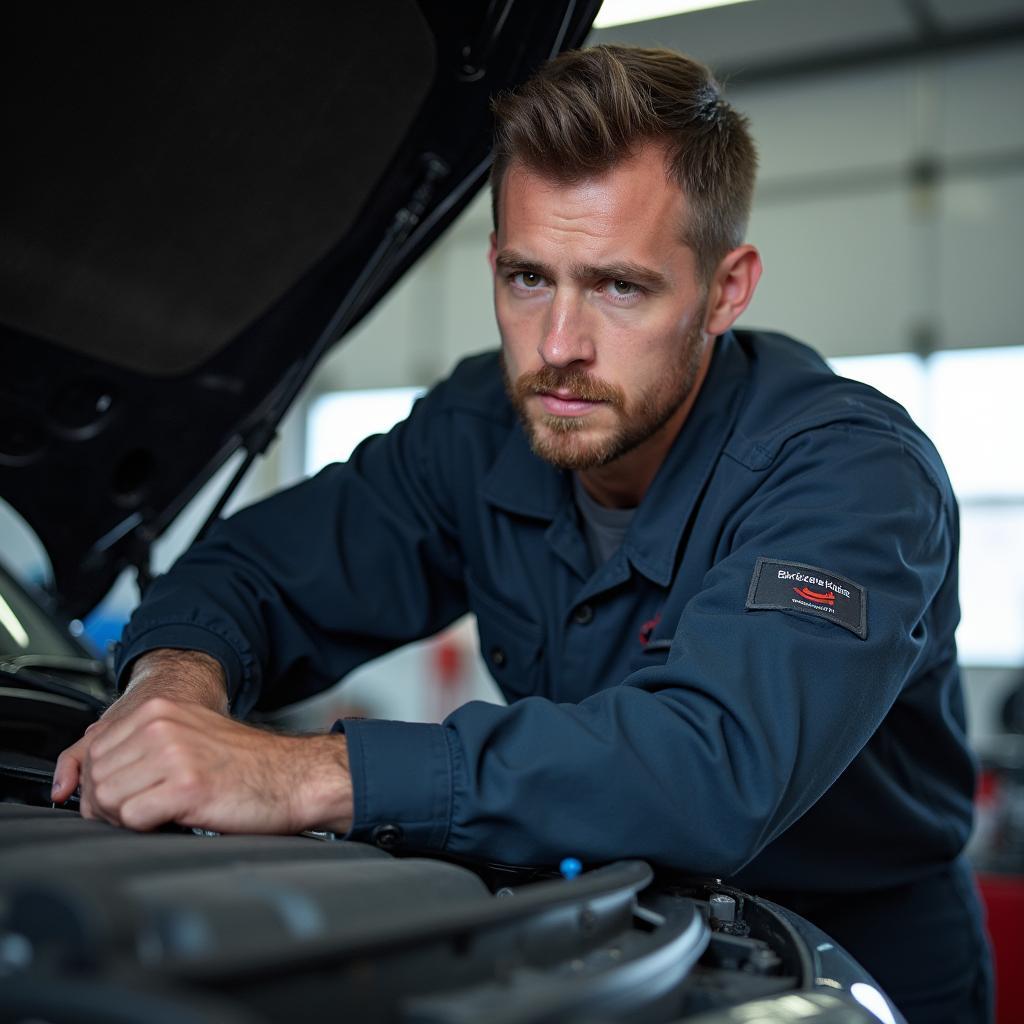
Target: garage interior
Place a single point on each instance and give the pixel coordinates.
(889, 214)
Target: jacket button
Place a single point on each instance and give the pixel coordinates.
(583, 614)
(387, 837)
(498, 657)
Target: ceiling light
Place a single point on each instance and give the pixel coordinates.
(621, 12)
(10, 623)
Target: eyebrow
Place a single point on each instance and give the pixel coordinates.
(625, 270)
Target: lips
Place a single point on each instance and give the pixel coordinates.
(566, 404)
(569, 392)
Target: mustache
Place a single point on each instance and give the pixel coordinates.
(572, 382)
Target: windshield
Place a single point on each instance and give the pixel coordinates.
(25, 629)
(34, 643)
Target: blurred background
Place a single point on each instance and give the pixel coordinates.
(889, 213)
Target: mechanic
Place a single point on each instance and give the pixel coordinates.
(716, 583)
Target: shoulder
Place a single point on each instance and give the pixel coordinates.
(794, 399)
(464, 420)
(475, 388)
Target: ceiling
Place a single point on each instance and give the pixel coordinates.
(782, 38)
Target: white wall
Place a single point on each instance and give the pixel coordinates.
(859, 257)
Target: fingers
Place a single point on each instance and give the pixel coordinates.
(131, 755)
(67, 774)
(151, 807)
(148, 809)
(112, 785)
(68, 771)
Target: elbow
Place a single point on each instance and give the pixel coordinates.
(718, 856)
(719, 835)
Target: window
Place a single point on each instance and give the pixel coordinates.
(338, 421)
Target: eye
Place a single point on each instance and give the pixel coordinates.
(527, 279)
(623, 289)
(622, 293)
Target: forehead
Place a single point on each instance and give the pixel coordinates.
(630, 211)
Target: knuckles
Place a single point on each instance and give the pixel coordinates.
(159, 730)
(135, 817)
(189, 785)
(159, 706)
(103, 797)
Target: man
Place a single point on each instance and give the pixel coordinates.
(717, 583)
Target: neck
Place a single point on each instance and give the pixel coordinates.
(624, 482)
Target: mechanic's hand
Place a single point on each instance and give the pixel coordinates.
(181, 762)
(186, 676)
(178, 757)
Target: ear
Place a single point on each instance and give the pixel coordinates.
(732, 288)
(492, 252)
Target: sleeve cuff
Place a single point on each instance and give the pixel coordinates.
(187, 637)
(401, 783)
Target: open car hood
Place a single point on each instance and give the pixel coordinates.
(197, 202)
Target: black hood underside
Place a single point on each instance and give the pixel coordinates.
(197, 202)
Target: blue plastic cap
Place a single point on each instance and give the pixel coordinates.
(570, 867)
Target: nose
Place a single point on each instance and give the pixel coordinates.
(566, 338)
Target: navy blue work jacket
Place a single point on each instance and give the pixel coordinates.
(761, 684)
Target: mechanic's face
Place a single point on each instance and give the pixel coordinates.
(600, 311)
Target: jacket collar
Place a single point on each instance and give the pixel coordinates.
(662, 517)
(521, 483)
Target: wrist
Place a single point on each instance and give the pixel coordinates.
(324, 787)
(179, 675)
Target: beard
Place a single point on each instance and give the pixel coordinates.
(569, 442)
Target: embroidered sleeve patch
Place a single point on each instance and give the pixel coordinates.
(794, 587)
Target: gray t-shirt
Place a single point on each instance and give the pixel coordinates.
(605, 528)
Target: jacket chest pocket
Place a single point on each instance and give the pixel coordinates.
(511, 645)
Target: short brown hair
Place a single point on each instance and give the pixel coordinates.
(586, 110)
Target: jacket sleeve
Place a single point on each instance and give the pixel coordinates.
(698, 763)
(296, 591)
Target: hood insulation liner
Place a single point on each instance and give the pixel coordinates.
(228, 150)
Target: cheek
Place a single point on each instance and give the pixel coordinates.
(648, 359)
(634, 343)
(513, 351)
(517, 327)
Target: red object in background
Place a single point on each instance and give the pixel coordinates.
(1004, 905)
(447, 676)
(448, 662)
